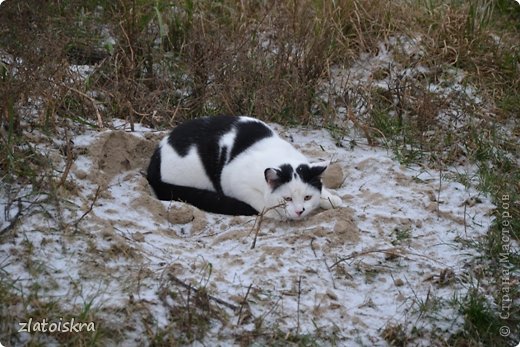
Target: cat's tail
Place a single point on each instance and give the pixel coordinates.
(206, 200)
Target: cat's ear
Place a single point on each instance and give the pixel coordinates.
(312, 174)
(272, 177)
(316, 170)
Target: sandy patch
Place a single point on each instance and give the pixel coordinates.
(347, 271)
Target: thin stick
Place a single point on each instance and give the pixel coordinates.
(13, 220)
(439, 192)
(188, 308)
(312, 247)
(129, 44)
(211, 297)
(384, 250)
(259, 220)
(355, 254)
(96, 196)
(465, 224)
(67, 166)
(243, 302)
(298, 305)
(94, 104)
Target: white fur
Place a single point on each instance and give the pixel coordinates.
(227, 141)
(247, 182)
(183, 171)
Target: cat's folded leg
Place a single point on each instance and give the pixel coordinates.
(329, 200)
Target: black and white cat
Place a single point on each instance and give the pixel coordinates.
(237, 166)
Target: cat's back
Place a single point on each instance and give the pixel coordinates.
(195, 152)
(218, 133)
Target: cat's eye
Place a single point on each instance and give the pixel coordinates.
(288, 199)
(307, 197)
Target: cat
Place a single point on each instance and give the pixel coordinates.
(237, 166)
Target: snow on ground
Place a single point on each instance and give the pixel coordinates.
(383, 70)
(348, 272)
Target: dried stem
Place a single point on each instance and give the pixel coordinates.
(298, 305)
(384, 250)
(211, 297)
(68, 165)
(96, 196)
(94, 104)
(358, 254)
(259, 220)
(243, 302)
(14, 219)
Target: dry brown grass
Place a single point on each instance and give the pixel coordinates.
(265, 59)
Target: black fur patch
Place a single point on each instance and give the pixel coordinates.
(205, 133)
(202, 132)
(285, 173)
(282, 175)
(204, 199)
(248, 133)
(311, 174)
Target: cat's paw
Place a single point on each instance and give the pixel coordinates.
(329, 201)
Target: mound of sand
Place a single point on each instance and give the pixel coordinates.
(117, 151)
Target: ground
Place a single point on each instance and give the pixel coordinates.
(354, 273)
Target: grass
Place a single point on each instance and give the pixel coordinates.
(401, 236)
(32, 307)
(159, 62)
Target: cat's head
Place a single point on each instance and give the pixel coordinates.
(297, 190)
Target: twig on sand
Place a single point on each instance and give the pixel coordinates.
(439, 191)
(14, 219)
(96, 196)
(256, 227)
(298, 305)
(260, 219)
(243, 302)
(394, 252)
(175, 280)
(312, 246)
(358, 254)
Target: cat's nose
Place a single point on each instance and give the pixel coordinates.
(299, 213)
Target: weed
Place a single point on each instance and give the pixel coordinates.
(401, 235)
(395, 335)
(27, 307)
(481, 323)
